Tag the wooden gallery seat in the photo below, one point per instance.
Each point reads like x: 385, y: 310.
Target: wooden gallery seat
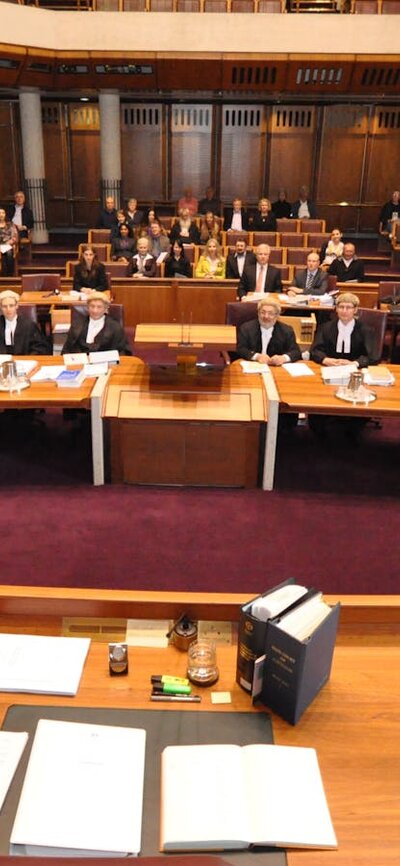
x: 103, y: 251
x: 99, y: 236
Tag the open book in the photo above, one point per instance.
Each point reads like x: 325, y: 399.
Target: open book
x: 82, y: 793
x: 233, y: 797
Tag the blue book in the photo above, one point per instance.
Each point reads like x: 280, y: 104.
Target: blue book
x: 70, y: 379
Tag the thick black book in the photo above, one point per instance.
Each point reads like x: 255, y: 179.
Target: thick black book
x: 296, y: 670
x: 252, y: 637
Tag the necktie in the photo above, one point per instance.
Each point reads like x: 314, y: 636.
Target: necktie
x: 260, y: 279
x: 309, y: 279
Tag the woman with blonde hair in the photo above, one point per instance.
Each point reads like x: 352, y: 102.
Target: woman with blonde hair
x: 265, y: 219
x: 211, y: 264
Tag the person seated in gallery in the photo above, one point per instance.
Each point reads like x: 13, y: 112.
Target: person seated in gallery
x: 303, y: 208
x: 282, y: 207
x: 21, y: 215
x: 96, y: 332
x: 107, y: 218
x: 237, y: 259
x: 210, y: 228
x: 148, y: 219
x: 90, y: 274
x: 211, y: 264
x: 348, y: 268
x: 134, y: 217
x: 390, y: 213
x: 142, y: 264
x: 123, y: 245
x: 345, y: 338
x: 236, y: 217
x: 265, y: 219
x: 8, y: 244
x: 19, y: 335
x: 310, y: 281
x: 189, y: 201
x: 260, y: 276
x: 209, y: 202
x: 267, y: 340
x: 177, y: 264
x: 158, y: 239
x: 332, y: 249
x: 121, y: 220
x: 185, y: 228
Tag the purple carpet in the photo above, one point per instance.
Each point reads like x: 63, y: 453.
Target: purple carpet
x: 332, y: 521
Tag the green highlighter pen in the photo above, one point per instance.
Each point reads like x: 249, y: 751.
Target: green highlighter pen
x: 171, y: 689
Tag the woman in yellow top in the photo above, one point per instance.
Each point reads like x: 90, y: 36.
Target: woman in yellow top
x: 211, y: 264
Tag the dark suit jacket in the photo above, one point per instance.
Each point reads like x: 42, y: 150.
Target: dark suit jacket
x: 264, y: 224
x: 319, y: 283
x: 107, y: 219
x: 232, y: 272
x: 27, y: 218
x: 362, y: 344
x: 228, y: 213
x: 111, y: 337
x: 28, y: 338
x: 136, y: 220
x: 282, y: 342
x: 94, y: 279
x: 311, y: 207
x: 355, y: 270
x: 273, y: 282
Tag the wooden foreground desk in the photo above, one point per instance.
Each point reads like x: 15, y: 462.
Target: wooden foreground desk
x: 168, y: 428
x: 354, y: 723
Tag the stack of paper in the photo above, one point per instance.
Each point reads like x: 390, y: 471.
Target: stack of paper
x: 378, y: 376
x: 339, y: 375
x: 83, y: 792
x: 41, y: 665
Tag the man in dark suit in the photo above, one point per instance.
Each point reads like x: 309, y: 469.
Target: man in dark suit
x: 236, y: 261
x: 21, y: 215
x: 97, y: 332
x: 236, y: 217
x: 312, y: 281
x: 265, y: 339
x: 107, y: 218
x: 348, y: 268
x: 303, y: 208
x: 19, y: 335
x: 259, y: 276
x: 134, y: 217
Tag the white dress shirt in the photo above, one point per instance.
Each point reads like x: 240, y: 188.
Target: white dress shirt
x: 95, y: 326
x: 344, y: 337
x: 236, y: 224
x: 17, y: 218
x: 10, y: 326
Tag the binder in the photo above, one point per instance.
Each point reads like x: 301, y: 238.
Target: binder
x: 295, y: 671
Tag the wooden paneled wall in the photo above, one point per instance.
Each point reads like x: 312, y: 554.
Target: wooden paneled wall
x: 346, y: 154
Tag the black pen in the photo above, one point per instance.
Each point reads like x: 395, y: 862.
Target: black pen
x: 185, y: 699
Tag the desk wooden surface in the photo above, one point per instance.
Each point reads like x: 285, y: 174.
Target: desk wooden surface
x: 354, y: 724
x: 186, y: 335
x: 132, y: 375
x: 310, y: 394
x: 47, y: 394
